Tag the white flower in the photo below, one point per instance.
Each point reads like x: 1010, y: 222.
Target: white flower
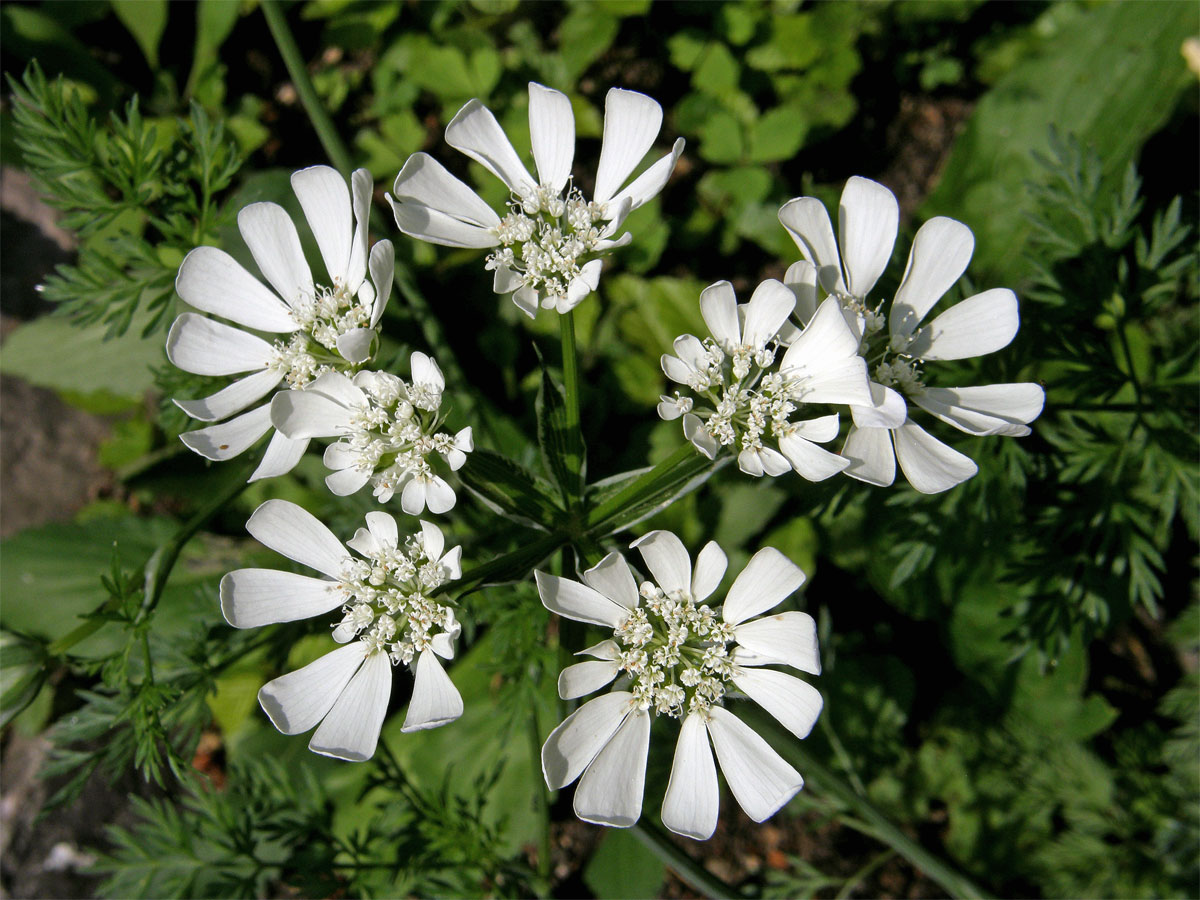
x: 679, y: 657
x: 387, y: 431
x: 388, y: 619
x: 883, y: 432
x: 550, y: 241
x: 322, y: 327
x: 746, y: 391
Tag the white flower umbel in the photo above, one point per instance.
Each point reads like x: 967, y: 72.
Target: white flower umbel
x: 674, y: 655
x: 895, y: 345
x: 549, y: 244
x: 745, y: 388
x: 387, y: 432
x: 321, y: 327
x: 388, y: 618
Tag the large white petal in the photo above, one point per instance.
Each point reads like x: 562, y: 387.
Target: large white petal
x: 667, y: 559
x: 939, y: 256
x: 711, y: 563
x: 361, y: 187
x: 325, y: 199
x: 347, y: 481
x: 701, y: 437
x: 801, y: 279
x: 233, y: 398
x: 208, y: 347
x: 760, y: 779
x: 475, y: 132
x: 795, y: 703
x: 337, y: 386
x: 820, y: 429
x: 979, y: 325
x: 439, y: 496
x: 769, y: 307
x: 435, y: 699
x: 426, y: 182
x: 868, y: 216
x: 296, y: 533
x: 572, y: 746
x: 887, y: 409
x: 766, y: 582
x: 610, y: 791
x: 308, y: 414
x: 871, y: 457
x: 227, y: 440
x: 807, y: 221
x: 631, y: 123
x: 271, y: 236
x: 810, y: 461
x: 578, y: 601
x: 351, y: 729
x: 826, y: 340
x: 253, y: 597
x: 838, y: 381
x: 988, y: 409
x: 928, y: 464
x: 612, y: 578
x: 552, y: 132
x: 281, y: 457
x: 648, y: 185
x: 383, y: 270
x: 585, y: 677
x: 718, y: 306
x: 435, y: 226
x: 693, y: 799
x: 297, y: 701
x: 789, y: 638
x: 213, y: 281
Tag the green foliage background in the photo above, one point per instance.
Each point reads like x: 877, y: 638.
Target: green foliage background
x: 1010, y: 668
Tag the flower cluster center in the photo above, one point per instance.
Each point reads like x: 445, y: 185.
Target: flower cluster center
x: 324, y: 317
x: 387, y: 602
x: 545, y: 238
x: 676, y: 652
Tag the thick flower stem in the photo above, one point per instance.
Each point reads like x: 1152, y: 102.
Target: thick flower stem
x: 688, y: 870
x: 570, y: 368
x: 317, y: 114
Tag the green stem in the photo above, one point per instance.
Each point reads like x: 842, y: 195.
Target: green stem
x: 570, y: 367
x: 823, y: 780
x: 519, y: 562
x: 688, y: 870
x: 685, y: 461
x: 317, y: 114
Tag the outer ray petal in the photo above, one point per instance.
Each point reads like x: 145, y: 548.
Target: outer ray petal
x: 585, y: 677
x: 667, y: 559
x: 871, y: 457
x: 253, y: 597
x: 888, y: 409
x: 810, y: 461
x: 650, y: 183
x: 794, y: 703
x: 426, y: 182
x: 807, y: 221
x: 299, y: 700
x: 294, y: 532
x: 612, y: 578
x: 228, y: 439
x: 281, y: 457
x: 347, y: 481
x: 693, y: 799
x: 768, y: 579
x: 939, y: 256
x: 610, y: 791
x: 475, y: 132
x: 718, y: 306
x: 351, y: 730
x: 760, y: 779
x: 435, y: 699
x: 572, y: 746
x: 867, y: 217
x: 577, y: 601
x: 361, y: 185
x: 976, y: 326
x: 309, y: 414
x: 552, y: 131
x: 233, y: 398
x: 325, y: 199
x: 787, y: 638
x: 428, y: 224
x: 711, y: 564
x: 383, y: 268
x: 768, y: 309
x: 928, y: 464
x: 207, y: 347
x: 988, y: 409
x: 271, y: 236
x: 631, y: 123
x: 213, y: 281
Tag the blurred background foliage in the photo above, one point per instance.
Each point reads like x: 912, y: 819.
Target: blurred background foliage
x: 1010, y: 668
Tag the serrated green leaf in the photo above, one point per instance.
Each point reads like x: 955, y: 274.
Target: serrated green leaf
x: 510, y: 488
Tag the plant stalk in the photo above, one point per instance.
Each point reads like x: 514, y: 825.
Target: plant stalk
x: 688, y: 870
x: 570, y: 368
x: 685, y: 455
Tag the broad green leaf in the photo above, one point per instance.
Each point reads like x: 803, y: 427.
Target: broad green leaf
x: 51, y: 352
x: 722, y: 139
x: 587, y: 31
x: 793, y: 45
x: 778, y: 134
x: 214, y: 22
x: 146, y: 21
x: 717, y: 71
x: 1111, y: 78
x: 686, y: 48
x: 623, y: 866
